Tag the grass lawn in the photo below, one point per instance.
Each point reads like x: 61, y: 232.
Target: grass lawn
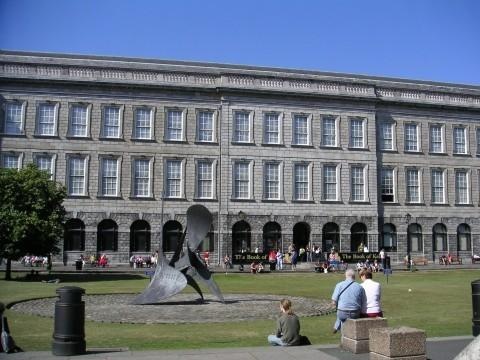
x: 440, y: 303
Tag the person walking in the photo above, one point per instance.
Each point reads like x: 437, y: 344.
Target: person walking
x: 349, y: 298
x: 279, y: 257
x: 288, y: 327
x: 373, y: 293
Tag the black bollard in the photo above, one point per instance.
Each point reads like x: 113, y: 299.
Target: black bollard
x: 476, y: 307
x: 69, y: 328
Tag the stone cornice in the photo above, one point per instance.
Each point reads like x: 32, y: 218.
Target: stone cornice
x: 216, y: 76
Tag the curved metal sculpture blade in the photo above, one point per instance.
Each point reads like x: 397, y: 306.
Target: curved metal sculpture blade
x: 166, y: 282
x: 199, y: 220
x: 201, y: 272
x: 191, y: 281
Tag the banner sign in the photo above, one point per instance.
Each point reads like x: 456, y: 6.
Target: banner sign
x: 247, y: 258
x: 354, y: 257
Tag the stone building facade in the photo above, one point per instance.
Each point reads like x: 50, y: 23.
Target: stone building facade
x: 278, y: 156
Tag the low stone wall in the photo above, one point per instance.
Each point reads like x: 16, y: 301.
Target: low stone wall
x: 397, y: 343
x: 355, y: 333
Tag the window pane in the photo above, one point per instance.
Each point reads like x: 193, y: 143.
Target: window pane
x: 272, y: 181
x: 329, y: 131
x: 111, y: 122
x: 174, y: 179
x: 330, y: 182
x: 205, y: 126
x: 46, y: 120
x: 142, y: 124
x: 78, y: 121
x: 411, y: 139
x: 459, y: 140
x: 76, y: 184
x: 413, y: 186
x: 357, y: 182
x: 44, y: 163
x: 141, y: 178
x: 356, y: 133
x: 242, y: 127
x: 13, y: 119
x: 272, y: 129
x: 301, y: 182
x: 387, y: 136
x: 109, y: 177
x: 174, y: 125
x: 241, y: 180
x: 204, y: 179
x: 437, y: 186
x: 461, y: 187
x: 10, y: 161
x: 300, y: 126
x: 387, y: 185
x: 436, y: 139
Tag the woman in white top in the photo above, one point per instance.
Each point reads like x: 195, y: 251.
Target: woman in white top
x: 373, y: 292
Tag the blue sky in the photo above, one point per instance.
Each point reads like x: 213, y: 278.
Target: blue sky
x: 436, y: 40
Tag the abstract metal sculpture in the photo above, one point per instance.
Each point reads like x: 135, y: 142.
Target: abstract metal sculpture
x: 172, y: 276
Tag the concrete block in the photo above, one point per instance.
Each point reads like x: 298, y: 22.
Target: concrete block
x: 357, y: 329
x: 397, y: 342
x: 375, y: 356
x: 354, y: 346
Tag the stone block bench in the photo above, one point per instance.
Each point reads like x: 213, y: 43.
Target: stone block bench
x: 397, y: 343
x: 355, y: 333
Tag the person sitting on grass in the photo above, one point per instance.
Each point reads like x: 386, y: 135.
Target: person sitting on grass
x: 288, y: 327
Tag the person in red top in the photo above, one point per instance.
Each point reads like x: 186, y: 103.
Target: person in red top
x: 206, y: 257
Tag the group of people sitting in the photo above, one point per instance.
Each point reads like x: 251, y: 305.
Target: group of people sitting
x: 30, y: 260
x: 256, y: 267
x: 138, y: 261
x: 367, y: 264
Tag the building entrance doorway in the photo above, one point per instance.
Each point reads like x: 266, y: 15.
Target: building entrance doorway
x: 301, y: 238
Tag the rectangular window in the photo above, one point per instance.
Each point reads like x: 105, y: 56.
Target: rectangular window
x: 271, y: 124
x: 387, y: 136
x: 272, y: 181
x: 358, y: 183
x: 300, y: 130
x: 330, y: 183
x: 174, y: 179
x: 356, y: 133
x: 141, y: 177
x: 436, y: 139
x: 242, y: 127
x: 46, y: 120
x: 76, y: 176
x: 411, y: 137
x: 387, y: 183
x: 11, y: 161
x: 204, y: 180
x: 302, y: 183
x: 205, y: 126
x: 241, y: 180
x: 329, y: 131
x: 13, y: 119
x: 438, y: 187
x: 461, y: 187
x: 78, y: 121
x: 413, y: 186
x: 111, y: 122
x: 143, y: 124
x: 45, y: 163
x: 109, y: 176
x: 459, y: 140
x: 174, y: 131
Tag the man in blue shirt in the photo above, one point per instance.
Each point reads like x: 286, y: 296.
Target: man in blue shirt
x: 349, y: 298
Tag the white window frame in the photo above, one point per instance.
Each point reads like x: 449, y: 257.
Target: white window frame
x: 5, y: 106
x: 280, y: 127
x: 249, y: 164
x: 18, y: 155
x: 336, y: 121
x: 408, y: 199
x: 308, y: 117
x: 465, y: 140
x: 213, y: 164
x: 417, y: 137
x: 363, y: 121
x: 182, y: 178
x: 53, y: 158
x: 151, y: 127
x: 365, y: 179
x: 394, y: 183
x: 214, y: 125
x: 467, y: 189
x: 337, y: 182
x: 477, y: 138
x: 55, y: 106
x: 442, y: 138
x: 120, y: 108
x: 88, y: 110
x: 133, y: 193
x: 444, y: 185
x: 166, y: 134
x: 250, y: 115
x: 101, y: 174
x: 308, y: 165
x: 266, y: 163
x: 68, y: 176
x: 383, y: 126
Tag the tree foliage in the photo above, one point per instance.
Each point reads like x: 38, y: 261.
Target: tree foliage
x: 31, y: 213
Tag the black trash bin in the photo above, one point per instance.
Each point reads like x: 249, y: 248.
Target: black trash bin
x: 78, y: 264
x: 476, y: 307
x: 69, y: 322
x: 273, y: 266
